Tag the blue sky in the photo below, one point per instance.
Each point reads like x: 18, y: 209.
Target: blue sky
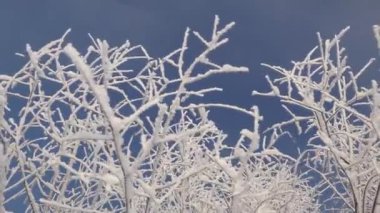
x: 269, y: 31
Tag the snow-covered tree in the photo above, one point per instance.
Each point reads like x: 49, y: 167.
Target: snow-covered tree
x: 116, y: 130
x: 339, y: 121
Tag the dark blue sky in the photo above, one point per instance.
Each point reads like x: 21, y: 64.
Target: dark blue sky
x: 270, y: 31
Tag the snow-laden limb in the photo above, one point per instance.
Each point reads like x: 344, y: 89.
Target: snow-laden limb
x: 376, y: 31
x: 3, y: 150
x: 115, y: 130
x: 3, y: 172
x: 322, y: 95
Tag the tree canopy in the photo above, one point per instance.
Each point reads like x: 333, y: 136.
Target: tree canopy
x: 117, y: 130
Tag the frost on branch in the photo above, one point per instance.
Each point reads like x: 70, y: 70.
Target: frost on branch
x: 322, y: 95
x: 376, y: 31
x: 115, y: 130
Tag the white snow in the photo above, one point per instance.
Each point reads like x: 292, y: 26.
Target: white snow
x: 376, y: 30
x: 110, y: 179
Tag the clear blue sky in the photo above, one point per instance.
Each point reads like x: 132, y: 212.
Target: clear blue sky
x: 270, y: 31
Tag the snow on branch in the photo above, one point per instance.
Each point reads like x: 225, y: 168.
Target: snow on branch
x: 115, y: 130
x: 321, y: 93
